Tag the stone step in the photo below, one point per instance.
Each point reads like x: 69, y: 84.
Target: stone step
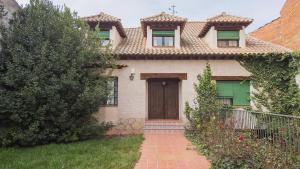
x: 169, y: 125
x: 163, y: 131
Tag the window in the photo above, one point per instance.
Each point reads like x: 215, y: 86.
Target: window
x: 104, y: 36
x: 112, y: 91
x: 228, y: 38
x: 163, y: 38
x: 236, y: 93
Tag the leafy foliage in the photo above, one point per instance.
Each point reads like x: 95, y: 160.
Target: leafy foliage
x: 273, y: 78
x: 50, y: 78
x: 206, y: 105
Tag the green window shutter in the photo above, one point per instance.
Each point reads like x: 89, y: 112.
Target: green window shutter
x: 228, y: 35
x: 104, y: 34
x: 163, y: 33
x: 239, y: 91
x: 224, y: 89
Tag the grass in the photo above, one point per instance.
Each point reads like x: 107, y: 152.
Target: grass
x: 114, y: 153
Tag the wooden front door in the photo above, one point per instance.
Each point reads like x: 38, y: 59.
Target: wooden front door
x: 163, y: 99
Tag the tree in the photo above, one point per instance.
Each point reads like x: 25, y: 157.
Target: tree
x: 273, y: 76
x: 50, y: 76
x: 206, y: 105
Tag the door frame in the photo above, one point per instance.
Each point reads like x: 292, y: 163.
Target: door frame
x: 179, y: 83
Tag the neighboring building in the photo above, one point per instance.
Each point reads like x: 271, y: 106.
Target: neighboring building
x: 10, y: 6
x: 284, y: 30
x: 161, y: 60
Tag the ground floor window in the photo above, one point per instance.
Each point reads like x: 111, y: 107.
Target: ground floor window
x: 236, y: 93
x: 112, y: 91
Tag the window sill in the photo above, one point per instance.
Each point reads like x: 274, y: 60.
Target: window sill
x: 162, y: 47
x: 112, y: 105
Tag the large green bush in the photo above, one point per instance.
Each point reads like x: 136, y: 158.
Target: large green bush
x: 273, y: 76
x: 48, y: 89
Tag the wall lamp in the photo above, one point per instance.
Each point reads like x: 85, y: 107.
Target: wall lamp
x: 132, y: 74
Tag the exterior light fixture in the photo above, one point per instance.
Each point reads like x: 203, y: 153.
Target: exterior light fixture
x: 132, y: 74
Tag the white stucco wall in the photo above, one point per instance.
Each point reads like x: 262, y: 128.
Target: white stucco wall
x: 132, y: 101
x: 298, y: 80
x: 177, y: 38
x: 211, y: 38
x: 115, y: 37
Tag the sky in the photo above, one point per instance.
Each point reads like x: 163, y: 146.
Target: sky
x: 130, y: 11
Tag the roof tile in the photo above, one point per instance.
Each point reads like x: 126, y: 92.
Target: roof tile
x: 191, y: 44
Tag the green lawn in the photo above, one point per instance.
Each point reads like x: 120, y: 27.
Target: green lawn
x: 115, y: 153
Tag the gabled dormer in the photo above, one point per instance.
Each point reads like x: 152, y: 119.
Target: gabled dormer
x: 225, y: 31
x: 163, y: 30
x: 111, y: 29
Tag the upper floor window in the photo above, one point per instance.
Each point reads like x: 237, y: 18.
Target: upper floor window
x: 104, y: 36
x: 228, y: 38
x: 163, y: 38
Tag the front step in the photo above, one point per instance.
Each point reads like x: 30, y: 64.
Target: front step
x: 165, y: 126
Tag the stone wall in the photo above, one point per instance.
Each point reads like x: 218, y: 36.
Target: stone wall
x: 128, y: 126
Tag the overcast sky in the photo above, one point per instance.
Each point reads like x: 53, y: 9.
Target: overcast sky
x: 130, y: 11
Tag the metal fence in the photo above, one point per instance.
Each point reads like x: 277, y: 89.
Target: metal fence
x: 279, y: 131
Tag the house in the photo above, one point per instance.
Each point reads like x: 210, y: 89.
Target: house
x: 160, y: 61
x: 10, y: 6
x: 284, y: 30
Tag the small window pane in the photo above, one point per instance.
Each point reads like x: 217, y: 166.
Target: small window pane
x: 112, y: 92
x: 169, y: 41
x: 105, y: 42
x: 233, y: 43
x: 157, y: 41
x: 225, y: 101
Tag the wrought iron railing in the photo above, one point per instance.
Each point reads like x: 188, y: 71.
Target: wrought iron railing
x: 278, y: 131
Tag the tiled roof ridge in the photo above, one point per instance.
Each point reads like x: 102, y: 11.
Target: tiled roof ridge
x: 104, y: 15
x: 225, y: 15
x: 167, y: 17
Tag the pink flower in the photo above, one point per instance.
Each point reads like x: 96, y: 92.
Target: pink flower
x: 242, y: 137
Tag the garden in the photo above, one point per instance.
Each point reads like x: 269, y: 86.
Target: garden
x: 241, y: 138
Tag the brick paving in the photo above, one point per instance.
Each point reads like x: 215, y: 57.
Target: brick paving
x: 169, y: 151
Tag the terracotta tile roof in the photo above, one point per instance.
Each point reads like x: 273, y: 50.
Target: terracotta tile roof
x: 226, y: 18
x: 105, y: 18
x: 102, y: 17
x: 191, y: 45
x: 164, y: 17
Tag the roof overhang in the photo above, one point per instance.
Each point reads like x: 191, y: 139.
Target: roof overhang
x: 165, y: 25
x: 108, y: 25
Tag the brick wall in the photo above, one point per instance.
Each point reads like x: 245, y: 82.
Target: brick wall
x: 285, y: 30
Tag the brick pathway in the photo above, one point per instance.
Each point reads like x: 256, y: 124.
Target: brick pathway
x: 169, y: 151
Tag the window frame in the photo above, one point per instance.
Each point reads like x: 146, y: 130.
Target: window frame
x: 163, y: 39
x: 105, y: 41
x: 115, y: 95
x: 231, y: 94
x: 227, y: 40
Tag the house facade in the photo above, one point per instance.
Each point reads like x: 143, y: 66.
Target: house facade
x: 160, y: 61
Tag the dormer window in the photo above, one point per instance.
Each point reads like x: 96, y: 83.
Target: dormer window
x: 104, y: 37
x: 228, y: 38
x: 163, y: 38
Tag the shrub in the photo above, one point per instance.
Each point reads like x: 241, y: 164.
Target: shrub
x: 206, y: 106
x: 50, y: 78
